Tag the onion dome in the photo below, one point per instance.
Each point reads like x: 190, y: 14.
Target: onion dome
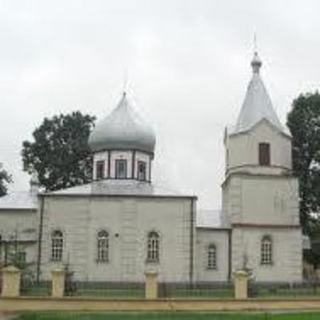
x: 123, y: 129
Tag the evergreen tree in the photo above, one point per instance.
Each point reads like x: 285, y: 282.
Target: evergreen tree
x: 60, y: 153
x: 304, y: 124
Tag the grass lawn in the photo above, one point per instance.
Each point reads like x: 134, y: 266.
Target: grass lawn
x: 165, y: 316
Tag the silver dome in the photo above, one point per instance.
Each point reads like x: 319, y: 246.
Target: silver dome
x: 123, y: 129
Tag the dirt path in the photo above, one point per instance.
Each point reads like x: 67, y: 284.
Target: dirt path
x: 8, y: 316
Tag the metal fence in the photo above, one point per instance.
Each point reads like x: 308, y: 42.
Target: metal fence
x: 283, y: 289
x: 197, y: 290
x: 35, y: 289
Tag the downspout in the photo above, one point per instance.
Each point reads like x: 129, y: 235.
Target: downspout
x: 191, y: 267
x: 40, y: 239
x: 229, y: 254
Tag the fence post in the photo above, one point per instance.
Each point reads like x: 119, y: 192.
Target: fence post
x: 58, y: 283
x: 151, y: 285
x: 11, y: 277
x: 241, y: 284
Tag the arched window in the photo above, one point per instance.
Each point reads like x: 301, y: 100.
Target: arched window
x: 56, y: 245
x: 153, y: 247
x: 266, y: 250
x: 212, y: 257
x: 103, y: 246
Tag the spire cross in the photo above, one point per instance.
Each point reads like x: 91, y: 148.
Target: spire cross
x: 255, y: 46
x: 125, y: 81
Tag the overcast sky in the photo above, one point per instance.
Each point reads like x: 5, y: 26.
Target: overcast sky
x: 188, y: 68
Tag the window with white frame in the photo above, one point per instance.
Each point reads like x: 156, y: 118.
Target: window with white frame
x: 266, y: 250
x: 212, y: 257
x: 121, y: 169
x: 56, y: 245
x: 103, y: 246
x: 153, y: 247
x: 142, y: 168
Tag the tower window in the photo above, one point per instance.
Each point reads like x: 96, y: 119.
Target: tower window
x: 142, y: 170
x: 121, y: 169
x: 100, y: 169
x: 264, y: 154
x: 56, y: 245
x: 153, y: 247
x: 103, y: 246
x: 266, y: 250
x: 212, y: 257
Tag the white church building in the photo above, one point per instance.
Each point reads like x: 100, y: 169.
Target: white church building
x: 121, y: 225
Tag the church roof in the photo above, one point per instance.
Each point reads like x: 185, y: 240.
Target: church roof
x: 123, y: 129
x: 117, y: 187
x: 211, y: 219
x: 257, y: 104
x: 19, y: 200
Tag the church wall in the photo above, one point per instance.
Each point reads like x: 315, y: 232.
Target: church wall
x: 286, y: 253
x: 20, y: 225
x: 261, y: 199
x: 128, y: 221
x: 269, y: 199
x: 220, y: 238
x: 242, y: 149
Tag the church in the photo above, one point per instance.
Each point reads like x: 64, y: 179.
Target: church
x: 121, y: 224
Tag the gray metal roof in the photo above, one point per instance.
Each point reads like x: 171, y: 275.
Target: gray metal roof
x: 114, y: 187
x: 257, y: 104
x: 19, y: 200
x: 211, y: 219
x: 123, y: 129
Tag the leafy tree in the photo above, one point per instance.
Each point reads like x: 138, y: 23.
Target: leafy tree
x: 304, y: 123
x: 5, y: 178
x: 60, y: 153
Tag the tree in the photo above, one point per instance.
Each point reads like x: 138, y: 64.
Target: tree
x: 5, y: 178
x: 304, y: 123
x: 60, y: 154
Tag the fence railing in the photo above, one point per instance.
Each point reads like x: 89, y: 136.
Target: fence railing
x: 283, y: 289
x: 15, y: 283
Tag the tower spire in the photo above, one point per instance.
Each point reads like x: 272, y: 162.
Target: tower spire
x: 256, y: 62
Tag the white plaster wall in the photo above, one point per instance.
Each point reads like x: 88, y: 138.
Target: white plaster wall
x: 21, y: 225
x: 287, y: 253
x: 220, y: 239
x: 128, y: 221
x: 261, y: 199
x: 243, y: 149
x: 270, y: 200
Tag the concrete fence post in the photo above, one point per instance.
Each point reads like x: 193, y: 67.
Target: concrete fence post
x: 241, y: 278
x: 58, y: 283
x: 11, y: 277
x: 151, y: 285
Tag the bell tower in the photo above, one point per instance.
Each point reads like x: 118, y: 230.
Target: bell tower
x: 260, y: 194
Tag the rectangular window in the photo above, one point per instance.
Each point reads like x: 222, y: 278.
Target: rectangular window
x: 121, y: 169
x: 264, y: 154
x: 100, y: 170
x: 142, y: 171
